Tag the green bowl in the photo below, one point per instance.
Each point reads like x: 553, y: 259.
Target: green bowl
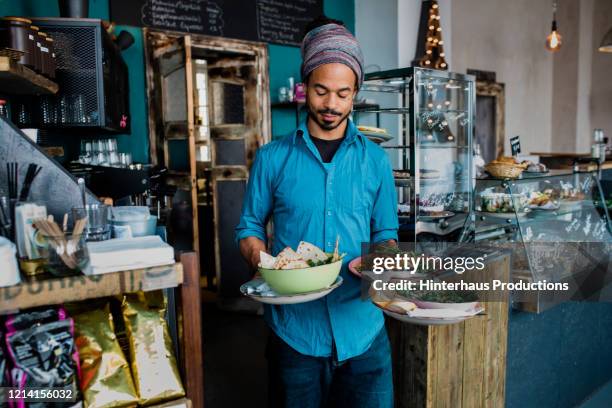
x: 302, y: 280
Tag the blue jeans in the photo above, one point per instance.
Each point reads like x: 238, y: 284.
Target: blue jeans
x: 297, y: 380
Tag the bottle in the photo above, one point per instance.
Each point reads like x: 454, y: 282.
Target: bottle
x: 602, y: 150
x: 3, y: 109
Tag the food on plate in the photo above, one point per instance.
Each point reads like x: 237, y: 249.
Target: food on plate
x: 434, y: 213
x: 401, y: 174
x: 306, y: 256
x: 445, y: 296
x: 541, y: 201
x: 431, y: 203
x: 570, y: 193
x: 396, y: 305
x: 502, y: 202
x: 403, y: 209
x: 536, y: 167
x: 372, y: 129
x: 429, y: 174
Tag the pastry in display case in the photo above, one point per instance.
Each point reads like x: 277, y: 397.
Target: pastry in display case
x: 426, y: 118
x: 556, y: 228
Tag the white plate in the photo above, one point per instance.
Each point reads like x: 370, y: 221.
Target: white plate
x: 378, y: 137
x: 537, y: 208
x: 427, y: 321
x: 425, y: 217
x: 403, y: 182
x: 569, y: 205
x: 289, y: 299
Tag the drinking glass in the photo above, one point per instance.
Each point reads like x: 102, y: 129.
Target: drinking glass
x: 97, y: 228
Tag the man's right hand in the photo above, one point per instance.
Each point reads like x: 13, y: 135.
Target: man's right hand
x: 249, y: 248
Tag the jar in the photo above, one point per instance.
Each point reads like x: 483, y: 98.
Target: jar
x: 52, y: 58
x: 15, y: 33
x: 45, y: 59
x: 36, y: 51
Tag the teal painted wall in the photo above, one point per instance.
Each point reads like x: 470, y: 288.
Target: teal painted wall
x: 284, y: 62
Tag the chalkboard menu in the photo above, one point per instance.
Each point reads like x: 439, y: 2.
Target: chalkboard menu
x: 274, y: 21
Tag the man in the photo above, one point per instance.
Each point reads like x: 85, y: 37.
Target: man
x: 322, y: 181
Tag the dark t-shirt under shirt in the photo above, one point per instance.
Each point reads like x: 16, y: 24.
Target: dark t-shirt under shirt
x: 327, y: 148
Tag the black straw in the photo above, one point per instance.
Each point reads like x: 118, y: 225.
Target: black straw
x: 12, y: 170
x: 33, y: 170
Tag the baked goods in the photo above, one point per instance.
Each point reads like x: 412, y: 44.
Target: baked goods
x: 401, y: 174
x: 536, y: 167
x: 502, y: 202
x: 306, y: 256
x: 371, y: 129
x: 542, y: 201
x: 429, y: 174
x: 505, y: 167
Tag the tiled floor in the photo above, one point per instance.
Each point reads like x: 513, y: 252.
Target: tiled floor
x: 601, y: 399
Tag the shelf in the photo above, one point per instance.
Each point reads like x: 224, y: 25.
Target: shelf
x: 426, y: 109
x: 534, y: 215
x: 386, y: 87
x: 83, y: 287
x: 298, y: 105
x: 401, y: 111
x: 425, y: 146
x: 551, y: 173
x: 408, y: 182
x: 15, y: 79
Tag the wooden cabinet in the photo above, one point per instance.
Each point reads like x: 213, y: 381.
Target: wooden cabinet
x: 456, y: 366
x: 209, y: 111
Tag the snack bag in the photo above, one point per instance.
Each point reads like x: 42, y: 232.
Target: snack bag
x: 44, y: 356
x: 152, y: 358
x: 106, y: 381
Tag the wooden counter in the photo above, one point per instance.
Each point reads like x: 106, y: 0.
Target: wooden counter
x: 83, y: 287
x: 461, y: 365
x: 566, y: 160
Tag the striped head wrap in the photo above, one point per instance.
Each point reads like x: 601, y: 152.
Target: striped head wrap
x: 331, y: 43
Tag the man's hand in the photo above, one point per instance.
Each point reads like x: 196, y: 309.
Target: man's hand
x: 249, y: 248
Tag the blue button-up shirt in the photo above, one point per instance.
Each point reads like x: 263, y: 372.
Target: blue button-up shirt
x: 353, y: 197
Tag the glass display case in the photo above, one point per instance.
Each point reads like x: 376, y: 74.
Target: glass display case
x: 558, y: 227
x: 424, y: 119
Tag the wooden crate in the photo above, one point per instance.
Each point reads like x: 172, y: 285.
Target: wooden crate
x: 454, y: 366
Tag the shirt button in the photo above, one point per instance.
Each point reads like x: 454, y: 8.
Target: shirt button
x: 329, y: 243
x: 329, y: 213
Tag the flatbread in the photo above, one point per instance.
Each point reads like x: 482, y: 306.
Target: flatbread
x: 311, y: 252
x: 266, y: 260
x: 289, y: 259
x: 401, y: 306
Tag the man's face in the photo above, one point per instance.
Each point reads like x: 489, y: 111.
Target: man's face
x: 329, y: 94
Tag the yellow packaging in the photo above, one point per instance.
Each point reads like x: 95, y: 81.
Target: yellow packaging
x: 106, y: 380
x: 152, y: 359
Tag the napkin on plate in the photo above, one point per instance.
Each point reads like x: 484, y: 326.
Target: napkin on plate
x: 259, y: 287
x: 444, y: 313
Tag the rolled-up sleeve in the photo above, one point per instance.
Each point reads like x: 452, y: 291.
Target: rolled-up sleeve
x: 384, y: 223
x: 257, y: 202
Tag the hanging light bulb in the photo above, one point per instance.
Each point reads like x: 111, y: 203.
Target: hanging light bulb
x: 553, y: 40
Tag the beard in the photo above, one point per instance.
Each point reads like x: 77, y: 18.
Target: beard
x: 323, y: 124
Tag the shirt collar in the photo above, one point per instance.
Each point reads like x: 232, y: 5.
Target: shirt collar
x: 352, y: 133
